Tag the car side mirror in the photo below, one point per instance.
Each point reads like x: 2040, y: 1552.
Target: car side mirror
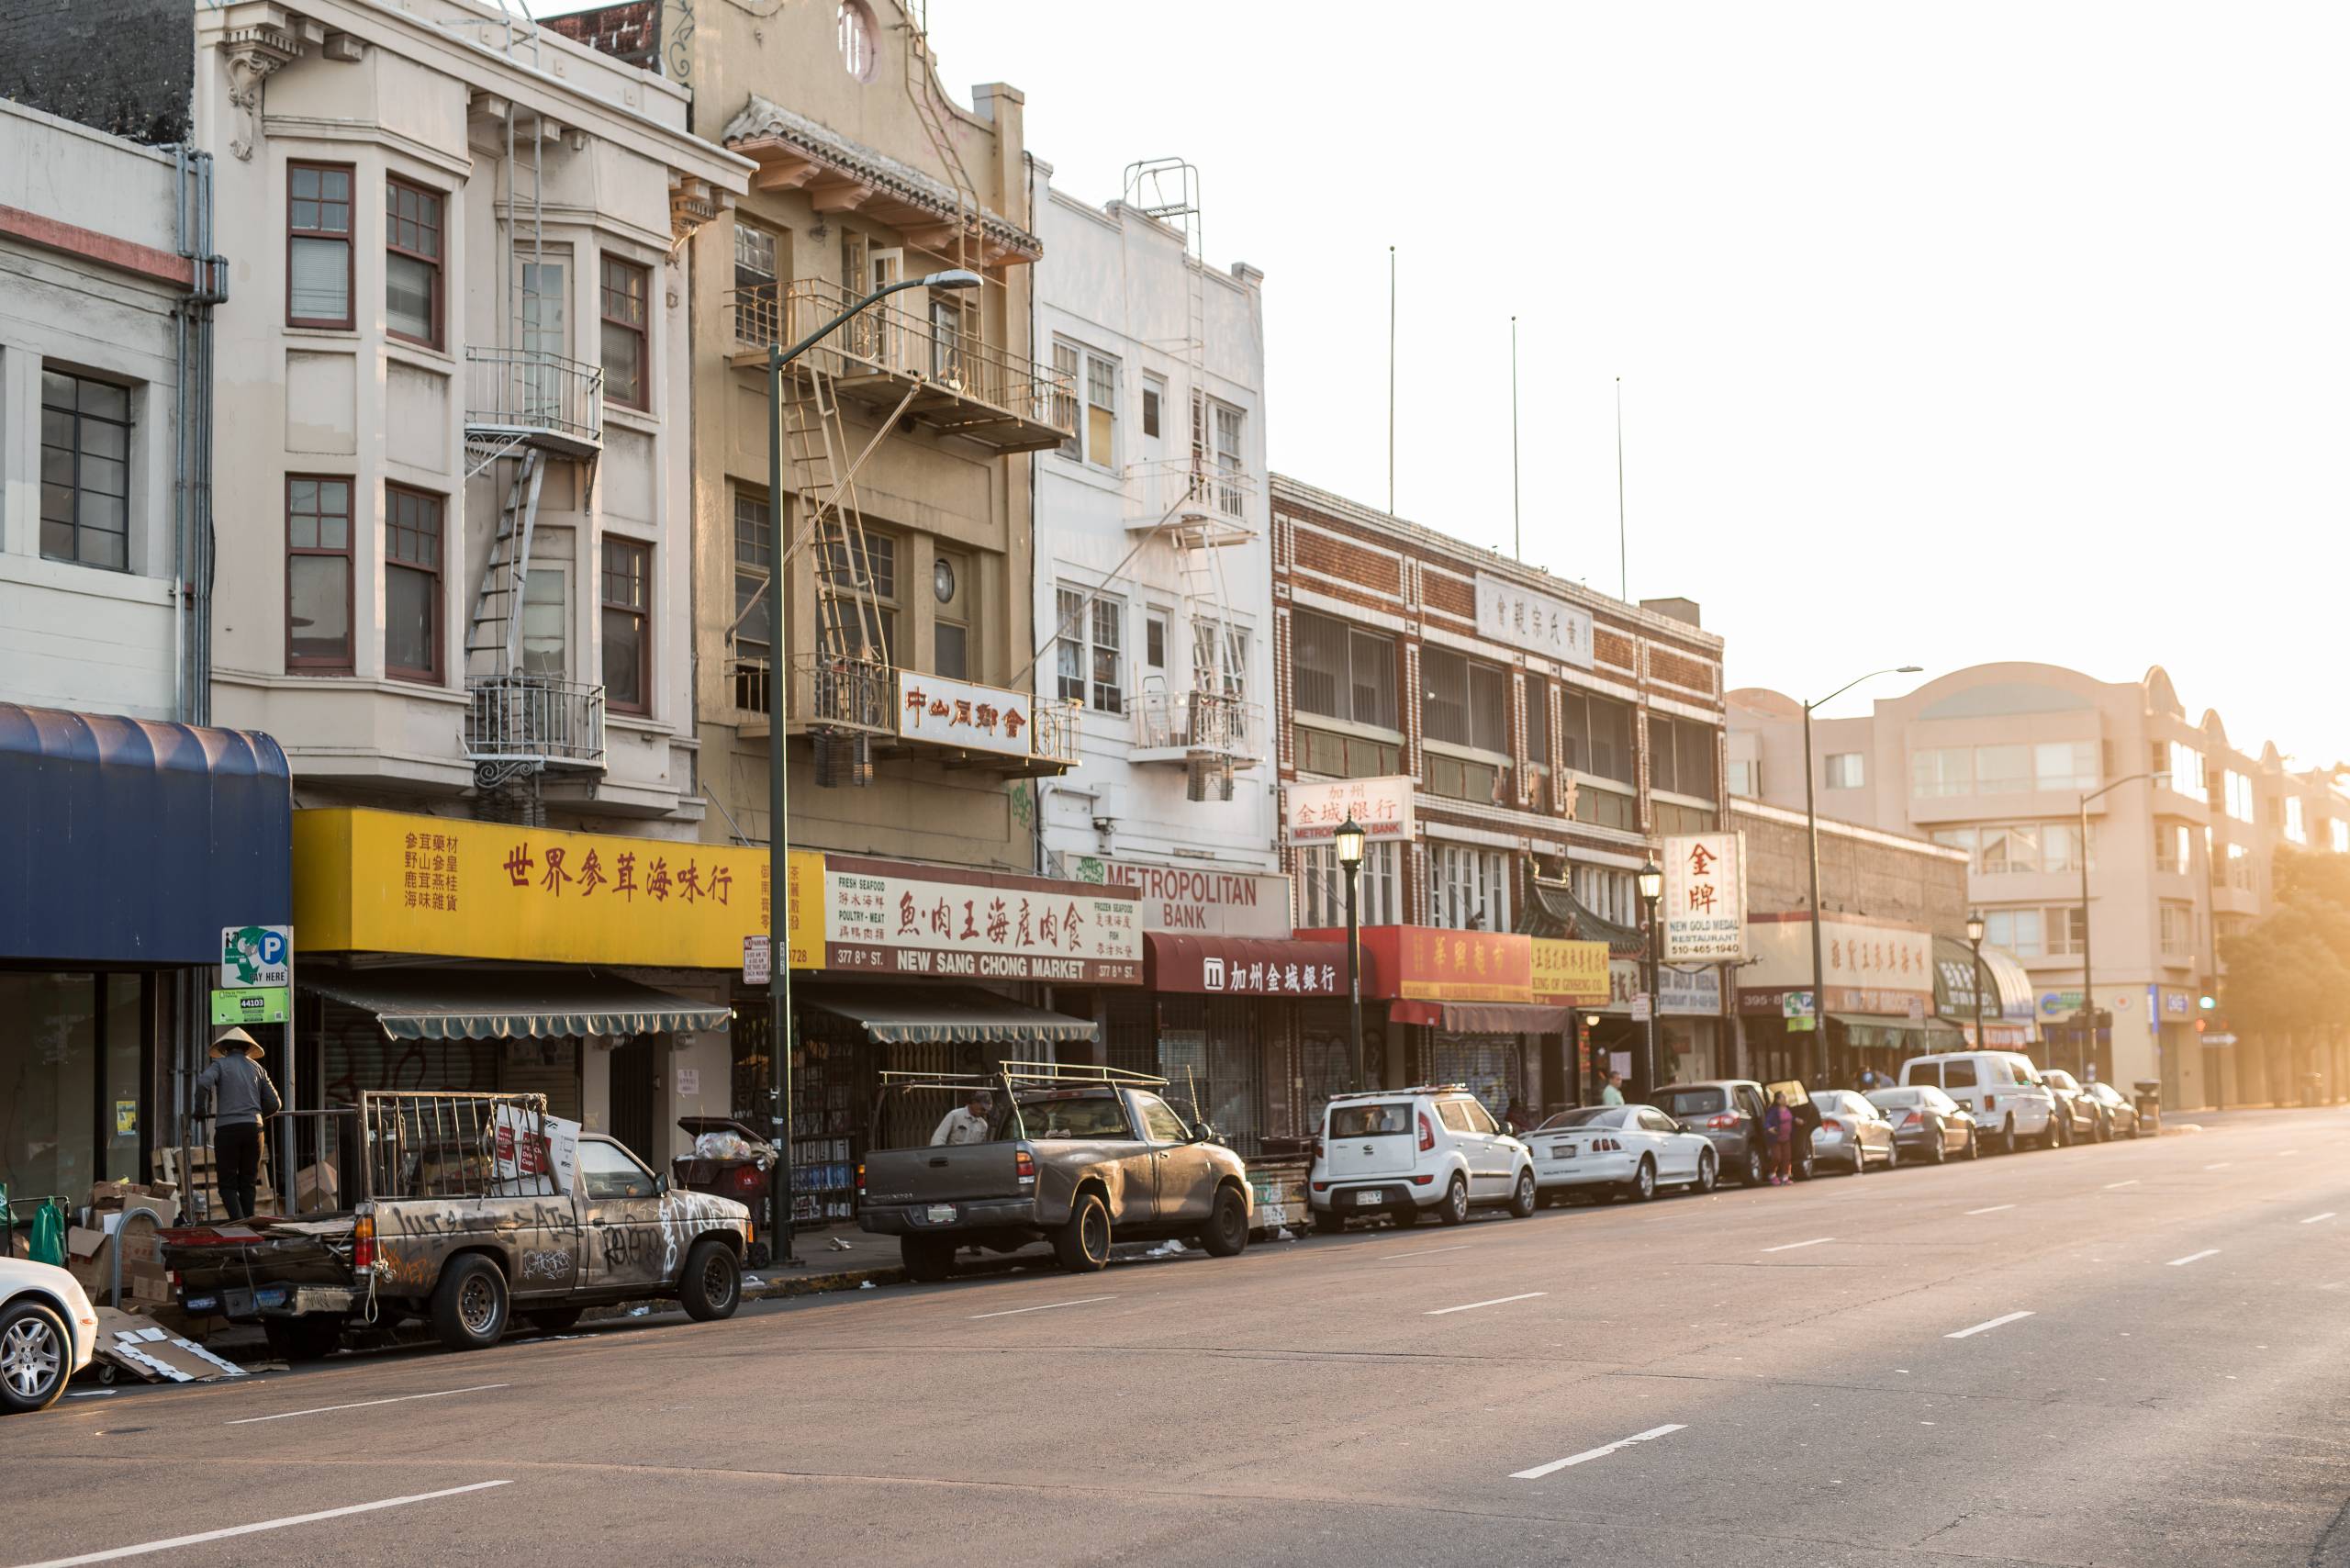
x: 661, y: 1184
x: 1202, y: 1133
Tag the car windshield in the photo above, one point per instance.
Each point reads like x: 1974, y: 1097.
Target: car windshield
x: 1062, y: 1115
x: 2061, y: 1081
x: 1586, y: 1116
x: 1684, y: 1104
x: 1369, y: 1121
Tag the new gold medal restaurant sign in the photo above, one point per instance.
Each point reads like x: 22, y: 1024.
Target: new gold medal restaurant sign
x: 393, y: 882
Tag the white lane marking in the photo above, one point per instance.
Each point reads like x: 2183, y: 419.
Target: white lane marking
x: 1497, y: 1301
x: 2110, y: 1186
x: 2191, y: 1256
x: 1981, y: 1328
x: 1791, y: 1246
x: 1016, y: 1311
x: 2314, y: 1218
x: 364, y: 1404
x: 1539, y: 1471
x: 1431, y: 1252
x: 291, y: 1519
x: 1994, y: 1208
x: 2221, y: 1166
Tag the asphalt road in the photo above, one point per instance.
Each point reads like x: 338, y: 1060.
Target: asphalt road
x: 2124, y: 1354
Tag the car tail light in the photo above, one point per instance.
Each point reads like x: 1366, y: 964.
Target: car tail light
x: 1912, y: 1120
x: 1990, y: 1102
x: 1831, y: 1125
x: 1315, y: 1149
x: 1427, y: 1134
x: 1321, y: 1186
x: 1023, y: 1165
x: 1727, y: 1119
x: 860, y: 1179
x: 1422, y: 1181
x: 363, y: 1243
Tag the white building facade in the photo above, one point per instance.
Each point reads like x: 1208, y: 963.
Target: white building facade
x: 1153, y: 575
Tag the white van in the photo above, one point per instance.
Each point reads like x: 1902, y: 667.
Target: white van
x: 2002, y: 1088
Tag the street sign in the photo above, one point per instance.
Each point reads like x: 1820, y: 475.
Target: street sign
x: 249, y: 1006
x: 1639, y: 1007
x: 2219, y: 1039
x: 1796, y: 1010
x: 758, y: 968
x: 254, y: 957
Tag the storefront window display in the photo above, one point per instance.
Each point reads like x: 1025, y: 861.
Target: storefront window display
x: 1490, y: 1065
x: 72, y: 1105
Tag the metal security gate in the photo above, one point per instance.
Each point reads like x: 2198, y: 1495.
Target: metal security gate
x: 633, y: 1096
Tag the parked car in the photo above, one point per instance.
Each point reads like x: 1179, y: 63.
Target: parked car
x: 2001, y: 1089
x: 49, y: 1331
x: 1729, y: 1111
x: 1854, y: 1134
x: 2115, y: 1110
x: 1928, y: 1125
x: 1081, y: 1157
x: 2076, y: 1118
x: 1798, y: 1100
x: 1405, y: 1152
x: 1619, y: 1150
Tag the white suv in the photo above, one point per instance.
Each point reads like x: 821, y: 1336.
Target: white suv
x: 2002, y: 1088
x: 1396, y: 1153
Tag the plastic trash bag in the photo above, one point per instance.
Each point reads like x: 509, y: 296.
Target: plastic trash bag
x: 48, y: 1235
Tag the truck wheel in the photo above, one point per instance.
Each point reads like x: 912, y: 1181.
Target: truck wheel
x: 927, y: 1259
x: 711, y: 1286
x: 302, y: 1338
x: 1227, y: 1230
x: 36, y: 1356
x: 553, y: 1319
x: 470, y: 1303
x: 1083, y: 1244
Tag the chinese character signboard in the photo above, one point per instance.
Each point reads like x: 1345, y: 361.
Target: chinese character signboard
x: 393, y: 882
x: 1687, y: 994
x: 1218, y: 966
x: 1867, y: 968
x: 1570, y: 974
x: 955, y: 713
x: 1380, y: 807
x: 1183, y: 898
x: 1704, y: 899
x: 1526, y: 618
x: 880, y: 918
x: 1434, y: 965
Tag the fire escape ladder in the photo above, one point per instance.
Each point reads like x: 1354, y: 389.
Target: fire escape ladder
x: 493, y: 642
x: 935, y: 114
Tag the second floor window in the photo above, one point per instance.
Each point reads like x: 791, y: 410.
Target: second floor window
x: 1467, y: 702
x: 1471, y: 887
x: 318, y: 573
x: 317, y: 245
x: 1341, y: 671
x: 1091, y: 666
x: 753, y: 603
x: 1229, y: 464
x: 412, y: 536
x: 412, y: 252
x: 85, y: 470
x: 1537, y: 721
x: 1597, y: 733
x: 1846, y: 770
x: 624, y: 294
x: 628, y: 618
x: 1680, y: 757
x: 1092, y: 405
x: 1322, y: 887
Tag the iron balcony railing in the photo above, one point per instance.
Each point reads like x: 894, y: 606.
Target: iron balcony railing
x: 527, y: 392
x: 534, y: 718
x: 830, y: 693
x: 1198, y: 722
x: 889, y: 340
x: 1166, y: 489
x: 1056, y: 731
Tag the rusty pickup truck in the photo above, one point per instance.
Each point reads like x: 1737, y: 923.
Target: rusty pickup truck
x: 472, y: 1210
x: 1076, y: 1156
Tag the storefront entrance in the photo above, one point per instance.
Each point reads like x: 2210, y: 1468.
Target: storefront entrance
x: 72, y: 1089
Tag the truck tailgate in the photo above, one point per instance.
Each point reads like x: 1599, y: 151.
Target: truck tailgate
x: 949, y: 1173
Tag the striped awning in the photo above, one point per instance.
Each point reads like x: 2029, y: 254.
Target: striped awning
x: 515, y: 1005
x: 895, y: 1018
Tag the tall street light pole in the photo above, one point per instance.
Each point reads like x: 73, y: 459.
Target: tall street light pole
x: 1349, y: 843
x: 1974, y: 940
x: 1811, y: 832
x: 2088, y: 996
x: 778, y: 801
x: 1650, y: 878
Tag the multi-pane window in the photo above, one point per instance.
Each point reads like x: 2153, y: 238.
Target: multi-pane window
x: 1537, y: 721
x: 2011, y: 847
x: 1846, y: 770
x: 2178, y: 929
x: 1068, y: 366
x: 546, y: 619
x: 2239, y: 868
x: 1336, y: 756
x: 2064, y: 765
x: 1471, y: 887
x: 1608, y: 894
x: 1220, y: 657
x: 1154, y: 640
x: 754, y: 600
x: 1462, y: 779
x: 412, y: 554
x: 2019, y: 931
x: 2174, y: 849
x: 2066, y: 926
x: 1680, y: 757
x: 624, y: 294
x: 758, y: 305
x: 1596, y: 735
x: 318, y: 573
x: 1673, y: 817
x: 317, y: 245
x: 2185, y: 766
x: 2236, y: 790
x: 412, y: 254
x: 1228, y: 462
x: 2295, y: 822
x: 1089, y: 663
x: 1467, y: 704
x: 1091, y: 408
x: 1342, y: 672
x: 860, y: 578
x: 1942, y: 770
x: 1746, y: 777
x: 1322, y: 887
x: 628, y: 611
x: 2062, y: 847
x: 85, y: 470
x: 2002, y: 769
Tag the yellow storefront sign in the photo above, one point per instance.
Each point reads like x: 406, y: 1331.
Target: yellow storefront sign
x: 392, y: 882
x: 1570, y: 974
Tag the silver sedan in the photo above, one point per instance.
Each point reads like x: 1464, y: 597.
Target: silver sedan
x: 1854, y: 1134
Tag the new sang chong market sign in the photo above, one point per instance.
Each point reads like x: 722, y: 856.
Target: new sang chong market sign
x: 882, y: 918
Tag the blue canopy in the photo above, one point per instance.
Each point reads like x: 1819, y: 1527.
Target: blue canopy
x: 126, y: 841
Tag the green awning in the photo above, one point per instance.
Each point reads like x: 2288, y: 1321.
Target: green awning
x: 895, y: 1018
x: 514, y: 1004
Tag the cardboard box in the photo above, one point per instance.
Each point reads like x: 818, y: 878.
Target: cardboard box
x: 317, y: 1190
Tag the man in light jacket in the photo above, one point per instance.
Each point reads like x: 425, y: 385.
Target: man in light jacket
x: 241, y: 1095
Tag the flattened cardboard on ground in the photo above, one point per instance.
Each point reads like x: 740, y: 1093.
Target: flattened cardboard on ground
x: 156, y: 1354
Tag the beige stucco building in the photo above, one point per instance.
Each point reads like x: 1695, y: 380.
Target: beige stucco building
x: 1994, y: 760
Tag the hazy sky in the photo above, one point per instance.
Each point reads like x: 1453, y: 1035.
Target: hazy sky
x: 1947, y: 333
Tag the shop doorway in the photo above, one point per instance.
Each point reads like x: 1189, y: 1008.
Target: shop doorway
x: 633, y: 1092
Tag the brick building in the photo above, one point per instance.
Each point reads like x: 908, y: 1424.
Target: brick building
x: 1552, y: 736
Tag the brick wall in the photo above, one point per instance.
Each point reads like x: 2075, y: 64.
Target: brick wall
x: 127, y: 67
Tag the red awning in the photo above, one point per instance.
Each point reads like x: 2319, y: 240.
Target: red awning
x: 1483, y: 1018
x: 1243, y: 966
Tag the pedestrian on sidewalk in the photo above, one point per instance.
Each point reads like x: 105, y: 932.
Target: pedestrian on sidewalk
x: 241, y: 1095
x: 967, y: 1122
x: 1614, y: 1093
x: 1779, y: 1123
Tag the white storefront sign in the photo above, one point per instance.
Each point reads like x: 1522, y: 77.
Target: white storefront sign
x: 1197, y: 898
x: 1380, y: 807
x: 1866, y: 968
x: 1704, y: 899
x: 956, y: 713
x: 978, y: 926
x: 1687, y: 994
x: 1525, y: 619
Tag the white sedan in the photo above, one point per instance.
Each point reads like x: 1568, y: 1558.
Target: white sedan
x: 1631, y: 1150
x: 48, y: 1332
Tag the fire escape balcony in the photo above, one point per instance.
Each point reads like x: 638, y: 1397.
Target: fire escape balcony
x: 961, y: 386
x: 518, y: 397
x: 519, y: 722
x: 1179, y: 726
x: 1198, y: 504
x: 878, y: 708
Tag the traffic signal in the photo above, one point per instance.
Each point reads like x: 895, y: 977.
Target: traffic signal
x: 2207, y: 1002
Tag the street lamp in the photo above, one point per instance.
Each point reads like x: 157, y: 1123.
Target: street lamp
x: 1811, y: 831
x: 2088, y: 995
x: 1974, y: 940
x: 1650, y: 878
x: 1348, y: 841
x: 778, y: 805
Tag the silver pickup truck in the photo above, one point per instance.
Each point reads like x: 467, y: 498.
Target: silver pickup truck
x: 1079, y: 1156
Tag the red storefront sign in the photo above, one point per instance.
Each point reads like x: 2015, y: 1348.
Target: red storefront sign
x: 1240, y: 966
x: 1424, y: 963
